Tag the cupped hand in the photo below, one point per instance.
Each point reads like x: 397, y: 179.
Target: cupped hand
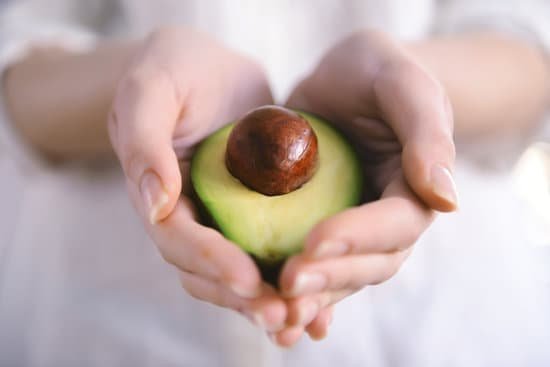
x: 180, y: 87
x: 400, y: 121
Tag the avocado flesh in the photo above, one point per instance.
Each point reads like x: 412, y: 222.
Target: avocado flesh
x: 272, y: 228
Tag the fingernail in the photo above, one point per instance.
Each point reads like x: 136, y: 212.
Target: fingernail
x: 244, y: 292
x: 255, y: 318
x: 330, y: 249
x: 309, y: 283
x: 330, y: 318
x: 153, y: 195
x: 443, y: 184
x: 258, y: 320
x: 324, y: 333
x: 320, y: 337
x: 307, y: 313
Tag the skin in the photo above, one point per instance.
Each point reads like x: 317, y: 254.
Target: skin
x: 397, y: 101
x: 392, y: 101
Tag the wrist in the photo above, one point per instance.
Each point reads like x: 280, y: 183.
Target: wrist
x: 83, y: 83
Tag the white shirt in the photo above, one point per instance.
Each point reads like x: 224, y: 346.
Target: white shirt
x: 81, y: 284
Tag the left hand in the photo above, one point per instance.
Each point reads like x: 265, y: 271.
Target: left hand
x: 400, y: 120
x: 175, y: 92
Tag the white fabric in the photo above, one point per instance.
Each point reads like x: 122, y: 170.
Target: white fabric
x: 81, y: 285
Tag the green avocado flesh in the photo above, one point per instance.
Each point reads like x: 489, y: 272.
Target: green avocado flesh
x: 272, y: 228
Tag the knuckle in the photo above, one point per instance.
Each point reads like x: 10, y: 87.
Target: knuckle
x: 182, y: 263
x: 167, y: 257
x: 410, y: 238
x: 326, y: 299
x: 416, y: 223
x: 131, y: 161
x: 393, y: 73
x: 398, y: 75
x: 192, y: 291
x: 391, y: 266
x: 388, y: 79
x: 142, y: 79
x: 330, y: 228
x: 344, y: 280
x: 133, y: 82
x: 216, y: 297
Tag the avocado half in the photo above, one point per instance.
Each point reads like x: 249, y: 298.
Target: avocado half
x: 271, y: 228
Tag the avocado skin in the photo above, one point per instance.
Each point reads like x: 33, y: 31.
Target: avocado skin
x: 270, y: 270
x: 270, y: 266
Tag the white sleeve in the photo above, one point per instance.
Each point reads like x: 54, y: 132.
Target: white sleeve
x: 528, y: 19
x: 24, y: 25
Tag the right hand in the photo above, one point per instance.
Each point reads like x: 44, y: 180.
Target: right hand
x: 399, y: 118
x: 180, y: 87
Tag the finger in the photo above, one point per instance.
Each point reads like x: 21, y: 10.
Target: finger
x: 287, y: 337
x: 194, y: 248
x: 318, y: 328
x: 392, y: 223
x: 298, y: 98
x: 210, y: 291
x: 267, y: 312
x: 141, y: 126
x: 418, y: 110
x: 341, y: 273
x: 305, y: 309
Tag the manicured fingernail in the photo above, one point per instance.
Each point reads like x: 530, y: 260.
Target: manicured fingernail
x: 244, y: 292
x: 330, y: 249
x: 307, y: 313
x: 153, y: 194
x: 309, y: 283
x: 443, y: 184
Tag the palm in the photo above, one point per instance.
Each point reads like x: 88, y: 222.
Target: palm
x: 376, y: 143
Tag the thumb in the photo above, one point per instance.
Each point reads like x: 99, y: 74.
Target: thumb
x: 427, y: 165
x: 428, y: 158
x: 141, y: 127
x: 420, y: 113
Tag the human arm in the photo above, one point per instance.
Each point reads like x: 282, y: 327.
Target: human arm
x: 496, y: 83
x: 59, y: 99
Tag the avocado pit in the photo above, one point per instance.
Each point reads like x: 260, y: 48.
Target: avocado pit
x: 272, y: 150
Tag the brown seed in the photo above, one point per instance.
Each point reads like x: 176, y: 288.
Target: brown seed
x: 272, y: 150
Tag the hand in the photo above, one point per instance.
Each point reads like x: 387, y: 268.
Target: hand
x: 181, y: 86
x: 400, y: 120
